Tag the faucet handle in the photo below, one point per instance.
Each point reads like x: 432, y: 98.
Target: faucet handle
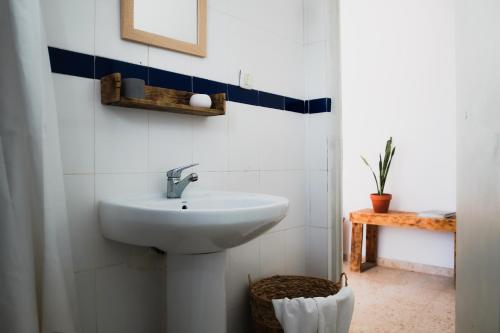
x: 176, y: 173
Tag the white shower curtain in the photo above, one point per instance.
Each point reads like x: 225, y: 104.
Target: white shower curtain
x: 36, y: 278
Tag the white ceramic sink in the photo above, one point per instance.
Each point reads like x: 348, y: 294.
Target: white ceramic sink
x: 200, y: 222
x: 194, y: 231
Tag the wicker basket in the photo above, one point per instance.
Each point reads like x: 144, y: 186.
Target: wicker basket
x: 281, y: 286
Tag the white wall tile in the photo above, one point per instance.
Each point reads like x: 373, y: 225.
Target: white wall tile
x: 243, y: 54
x: 272, y: 254
x: 113, y: 185
x: 243, y: 181
x: 268, y: 74
x: 170, y: 140
x: 243, y: 260
x: 295, y: 250
x: 219, y: 5
x: 291, y: 185
x: 245, y: 139
x: 289, y: 12
x: 69, y: 24
x: 82, y: 218
x: 121, y: 138
x: 316, y: 74
x: 107, y: 35
x: 214, y: 65
x: 244, y: 10
x: 75, y: 111
x: 129, y: 301
x: 86, y: 294
x: 317, y: 140
x: 170, y: 60
x: 283, y: 145
x: 316, y: 20
x: 210, y: 143
x: 208, y: 181
x: 157, y: 182
x: 318, y: 189
x: 317, y: 258
x: 145, y: 258
x: 271, y: 74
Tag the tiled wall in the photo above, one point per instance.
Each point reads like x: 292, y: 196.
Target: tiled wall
x: 321, y: 155
x: 111, y: 151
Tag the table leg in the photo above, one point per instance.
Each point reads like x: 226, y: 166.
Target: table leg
x: 371, y: 243
x: 371, y: 247
x: 356, y: 246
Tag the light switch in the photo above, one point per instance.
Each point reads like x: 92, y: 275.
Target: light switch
x: 246, y: 80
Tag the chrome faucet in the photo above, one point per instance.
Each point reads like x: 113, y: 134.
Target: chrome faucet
x: 175, y: 186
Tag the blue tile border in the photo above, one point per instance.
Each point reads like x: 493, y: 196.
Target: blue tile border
x: 328, y: 104
x: 71, y: 63
x: 240, y: 95
x: 204, y: 86
x: 106, y: 66
x: 273, y: 101
x: 170, y: 80
x: 319, y: 105
x: 94, y: 67
x: 295, y: 105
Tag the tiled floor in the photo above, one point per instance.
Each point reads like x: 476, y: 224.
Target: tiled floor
x: 389, y: 300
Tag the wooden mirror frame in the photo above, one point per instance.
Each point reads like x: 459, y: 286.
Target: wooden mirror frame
x: 128, y: 31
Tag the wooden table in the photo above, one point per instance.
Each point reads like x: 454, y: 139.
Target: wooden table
x: 391, y: 219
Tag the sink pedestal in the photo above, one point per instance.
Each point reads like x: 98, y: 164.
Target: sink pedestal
x: 196, y: 293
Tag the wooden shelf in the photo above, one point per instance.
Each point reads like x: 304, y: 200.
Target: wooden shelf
x: 158, y: 99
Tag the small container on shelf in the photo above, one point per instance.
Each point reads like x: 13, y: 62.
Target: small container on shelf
x: 133, y: 88
x: 200, y: 100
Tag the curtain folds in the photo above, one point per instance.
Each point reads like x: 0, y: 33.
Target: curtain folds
x: 36, y: 273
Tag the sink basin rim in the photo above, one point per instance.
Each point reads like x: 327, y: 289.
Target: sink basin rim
x: 140, y: 202
x: 155, y: 221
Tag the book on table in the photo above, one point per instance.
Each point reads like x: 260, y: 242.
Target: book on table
x: 437, y: 214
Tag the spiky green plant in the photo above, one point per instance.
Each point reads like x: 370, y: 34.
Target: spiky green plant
x: 383, y: 166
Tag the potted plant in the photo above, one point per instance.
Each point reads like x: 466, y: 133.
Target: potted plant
x: 381, y: 200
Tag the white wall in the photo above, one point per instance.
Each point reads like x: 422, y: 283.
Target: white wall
x: 478, y: 173
x: 109, y: 151
x: 321, y: 47
x: 316, y: 43
x: 398, y: 79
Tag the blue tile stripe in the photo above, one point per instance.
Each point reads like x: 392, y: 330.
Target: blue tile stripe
x: 94, y: 67
x: 106, y: 66
x: 71, y: 63
x: 273, y: 101
x: 170, y: 80
x: 319, y: 105
x: 240, y: 95
x: 295, y: 105
x: 204, y: 86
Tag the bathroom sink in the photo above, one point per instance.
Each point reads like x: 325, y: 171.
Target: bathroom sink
x: 199, y: 222
x: 194, y: 231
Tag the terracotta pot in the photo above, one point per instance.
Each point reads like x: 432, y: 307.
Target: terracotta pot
x: 381, y: 203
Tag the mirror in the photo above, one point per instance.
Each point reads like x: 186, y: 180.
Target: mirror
x: 178, y: 25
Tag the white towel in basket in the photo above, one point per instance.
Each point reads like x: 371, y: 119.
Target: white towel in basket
x: 330, y: 314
